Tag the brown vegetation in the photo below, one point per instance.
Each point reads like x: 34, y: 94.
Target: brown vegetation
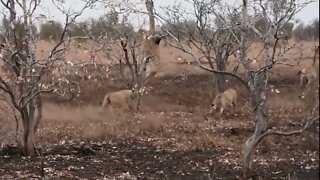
x: 170, y: 138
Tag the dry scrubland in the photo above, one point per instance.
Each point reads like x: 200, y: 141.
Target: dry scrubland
x: 172, y: 137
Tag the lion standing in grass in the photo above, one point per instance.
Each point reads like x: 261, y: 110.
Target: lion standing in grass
x: 225, y: 100
x: 122, y: 99
x: 310, y: 74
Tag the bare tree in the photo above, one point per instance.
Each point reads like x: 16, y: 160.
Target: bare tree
x: 278, y: 15
x: 256, y: 81
x: 22, y: 78
x: 137, y: 66
x: 123, y: 51
x: 128, y: 59
x: 134, y: 51
x: 208, y: 34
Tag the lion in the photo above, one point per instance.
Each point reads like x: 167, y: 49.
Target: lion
x: 225, y: 100
x: 310, y: 75
x: 122, y: 99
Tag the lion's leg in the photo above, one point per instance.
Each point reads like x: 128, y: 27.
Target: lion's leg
x: 308, y: 83
x: 301, y: 80
x: 116, y: 110
x: 130, y: 106
x: 211, y: 111
x: 221, y: 110
x: 300, y: 84
x: 146, y: 80
x: 283, y: 49
x: 234, y: 105
x: 232, y: 108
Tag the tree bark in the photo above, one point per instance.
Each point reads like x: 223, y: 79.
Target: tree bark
x: 28, y: 135
x: 38, y: 112
x: 261, y: 127
x: 150, y: 7
x: 220, y: 78
x: 30, y: 151
x: 258, y: 82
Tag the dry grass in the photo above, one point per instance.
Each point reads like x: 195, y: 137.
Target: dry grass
x: 301, y: 52
x: 174, y: 118
x: 88, y: 123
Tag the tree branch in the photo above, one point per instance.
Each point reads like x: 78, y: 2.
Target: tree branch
x: 198, y: 63
x: 35, y: 95
x: 8, y: 90
x: 289, y: 133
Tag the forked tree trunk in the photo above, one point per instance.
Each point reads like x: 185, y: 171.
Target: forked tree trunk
x: 28, y: 134
x: 251, y: 143
x: 29, y: 144
x: 31, y: 115
x: 258, y: 86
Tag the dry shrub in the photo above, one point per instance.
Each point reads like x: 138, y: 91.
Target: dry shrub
x: 151, y: 122
x: 7, y: 123
x: 88, y: 123
x: 285, y: 102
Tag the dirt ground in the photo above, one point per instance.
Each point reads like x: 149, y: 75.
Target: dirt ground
x: 172, y: 137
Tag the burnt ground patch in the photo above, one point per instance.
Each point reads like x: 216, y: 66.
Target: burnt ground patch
x: 133, y: 159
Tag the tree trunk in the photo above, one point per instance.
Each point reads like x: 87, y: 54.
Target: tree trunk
x: 38, y: 112
x: 220, y: 82
x: 215, y: 85
x: 30, y: 149
x: 31, y: 115
x: 133, y: 79
x: 28, y: 135
x: 220, y: 78
x: 258, y: 86
x: 152, y: 26
x: 261, y: 127
x: 138, y: 101
x: 137, y: 89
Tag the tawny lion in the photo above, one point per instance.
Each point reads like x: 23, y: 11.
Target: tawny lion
x: 120, y: 99
x: 225, y: 100
x: 308, y: 74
